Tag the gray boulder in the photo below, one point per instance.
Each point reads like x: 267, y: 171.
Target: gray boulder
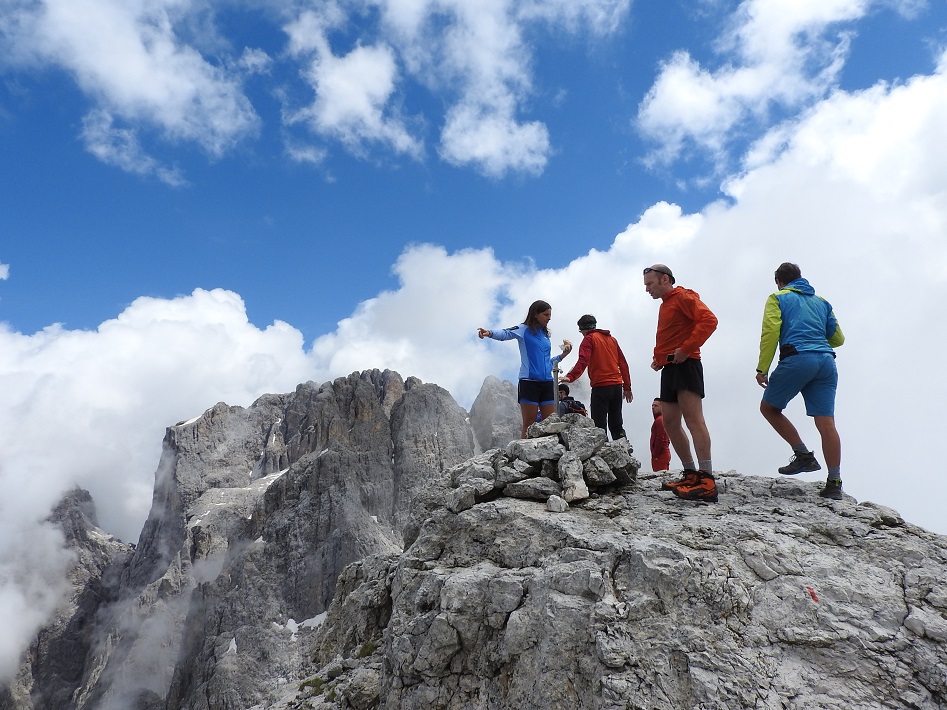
x: 495, y: 414
x: 538, y: 488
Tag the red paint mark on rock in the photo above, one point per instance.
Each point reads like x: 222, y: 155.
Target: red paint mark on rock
x: 812, y: 594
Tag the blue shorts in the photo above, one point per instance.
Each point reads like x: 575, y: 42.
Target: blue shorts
x: 813, y: 374
x: 537, y: 392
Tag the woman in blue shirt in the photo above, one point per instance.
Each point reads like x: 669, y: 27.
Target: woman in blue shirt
x: 536, y: 390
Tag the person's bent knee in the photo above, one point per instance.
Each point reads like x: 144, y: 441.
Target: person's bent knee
x: 824, y: 422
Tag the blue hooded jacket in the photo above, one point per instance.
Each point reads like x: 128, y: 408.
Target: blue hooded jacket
x: 535, y: 350
x: 795, y: 318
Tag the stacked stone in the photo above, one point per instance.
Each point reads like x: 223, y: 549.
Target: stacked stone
x: 562, y: 460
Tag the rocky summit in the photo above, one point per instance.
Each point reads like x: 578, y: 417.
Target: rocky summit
x: 363, y: 544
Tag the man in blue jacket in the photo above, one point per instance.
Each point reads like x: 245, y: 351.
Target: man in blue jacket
x: 806, y: 331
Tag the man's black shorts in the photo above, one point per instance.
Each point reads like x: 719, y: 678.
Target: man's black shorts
x: 688, y: 375
x: 536, y: 392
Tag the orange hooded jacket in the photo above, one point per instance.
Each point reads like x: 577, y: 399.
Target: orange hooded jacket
x: 684, y: 322
x: 601, y: 353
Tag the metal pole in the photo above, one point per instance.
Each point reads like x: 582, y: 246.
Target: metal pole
x: 555, y: 386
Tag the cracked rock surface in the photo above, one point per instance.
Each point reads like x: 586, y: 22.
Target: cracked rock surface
x: 771, y: 598
x: 364, y: 544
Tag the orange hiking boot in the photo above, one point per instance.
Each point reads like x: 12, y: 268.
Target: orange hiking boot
x: 705, y: 489
x: 690, y: 478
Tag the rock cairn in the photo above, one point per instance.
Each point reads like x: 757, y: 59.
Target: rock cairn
x: 563, y: 459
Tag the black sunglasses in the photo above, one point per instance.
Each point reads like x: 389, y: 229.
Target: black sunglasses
x: 650, y: 269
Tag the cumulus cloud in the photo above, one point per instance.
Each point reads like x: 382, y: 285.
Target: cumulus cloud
x: 80, y: 390
x: 4, y: 271
x: 492, y: 139
x: 781, y: 54
x: 478, y: 51
x: 486, y: 52
x: 130, y: 61
x: 90, y: 408
x: 353, y: 92
x: 368, y: 70
x: 472, y: 55
x: 120, y: 147
x: 427, y: 326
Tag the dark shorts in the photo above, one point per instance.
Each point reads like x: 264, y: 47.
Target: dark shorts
x: 536, y: 392
x: 688, y: 375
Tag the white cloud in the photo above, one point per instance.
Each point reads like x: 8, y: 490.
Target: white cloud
x: 493, y: 140
x: 785, y: 53
x: 105, y: 396
x: 129, y: 60
x: 151, y: 73
x: 255, y: 61
x: 353, y: 92
x: 4, y: 271
x: 472, y: 55
x: 32, y: 576
x: 90, y: 408
x: 120, y: 147
x: 600, y: 16
x: 305, y: 153
x: 422, y: 328
x: 485, y: 51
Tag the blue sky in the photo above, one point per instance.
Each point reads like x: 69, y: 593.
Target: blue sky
x: 248, y: 209
x: 207, y: 201
x: 85, y: 238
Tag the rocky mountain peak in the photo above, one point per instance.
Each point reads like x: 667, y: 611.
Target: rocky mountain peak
x: 363, y: 543
x: 632, y: 598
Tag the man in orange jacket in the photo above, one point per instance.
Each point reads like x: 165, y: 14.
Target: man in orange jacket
x: 608, y: 375
x: 684, y: 324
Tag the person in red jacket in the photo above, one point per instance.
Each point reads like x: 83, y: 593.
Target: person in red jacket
x: 660, y: 444
x: 684, y: 324
x: 608, y: 375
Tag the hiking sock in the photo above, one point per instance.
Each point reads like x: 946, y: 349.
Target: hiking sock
x: 835, y: 473
x: 705, y: 466
x: 688, y: 465
x: 801, y: 448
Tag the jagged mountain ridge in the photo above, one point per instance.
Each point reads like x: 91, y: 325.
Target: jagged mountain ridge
x: 627, y: 599
x: 255, y: 512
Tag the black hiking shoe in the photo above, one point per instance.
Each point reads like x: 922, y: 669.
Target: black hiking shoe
x: 799, y: 463
x: 832, y: 489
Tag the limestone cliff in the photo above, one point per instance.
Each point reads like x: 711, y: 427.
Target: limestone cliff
x: 55, y: 662
x: 632, y: 598
x: 255, y: 513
